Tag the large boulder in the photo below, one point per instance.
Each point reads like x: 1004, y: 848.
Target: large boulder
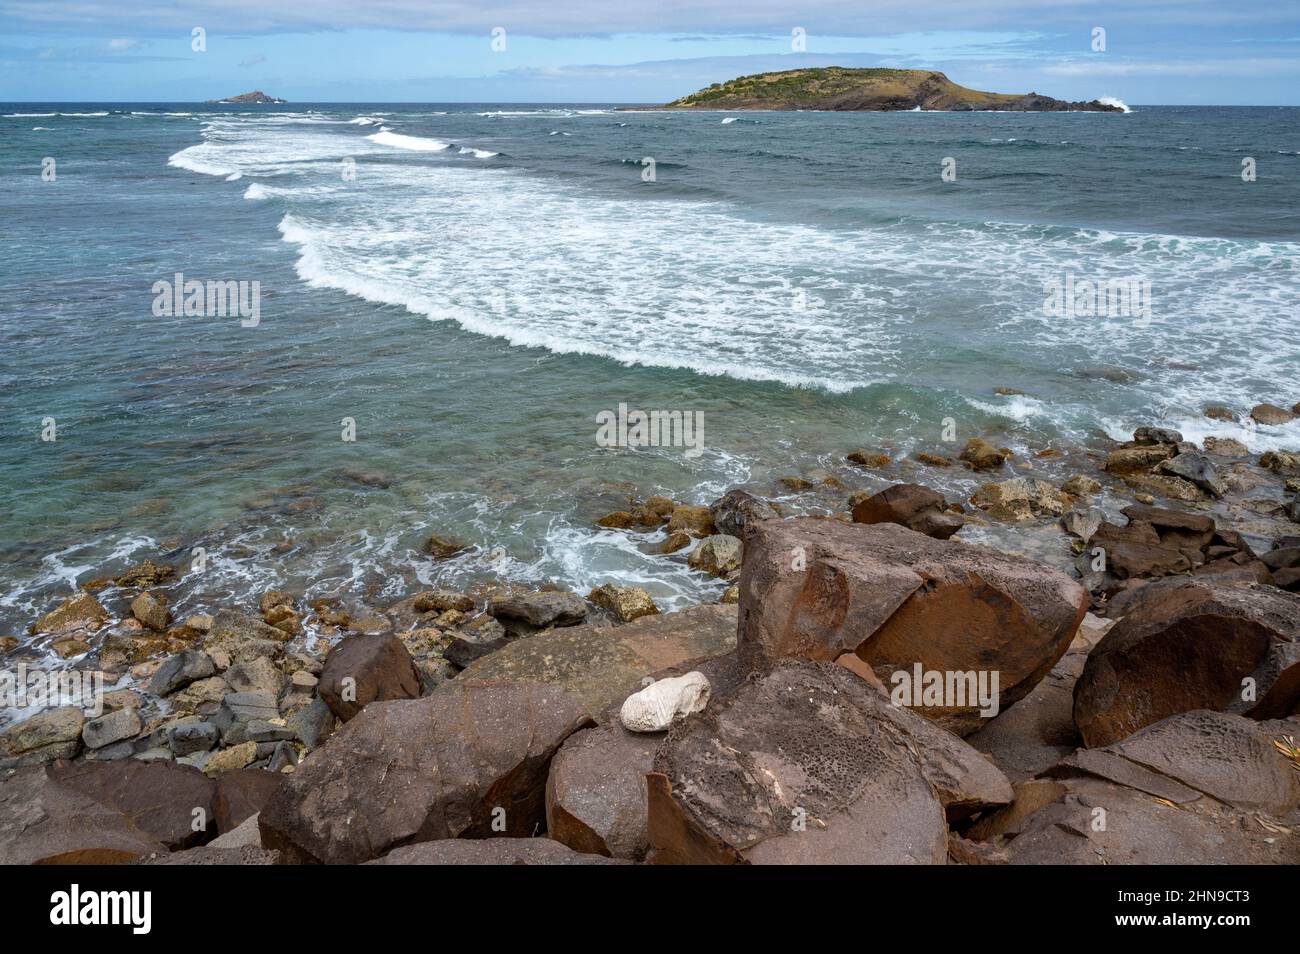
x: 819, y: 588
x: 79, y: 613
x: 808, y: 763
x: 602, y: 666
x: 913, y: 506
x: 170, y: 803
x: 44, y: 737
x: 1191, y: 644
x: 448, y: 765
x: 596, y: 793
x: 365, y: 669
x: 43, y: 821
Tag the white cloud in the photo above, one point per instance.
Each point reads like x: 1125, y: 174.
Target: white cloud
x: 123, y: 43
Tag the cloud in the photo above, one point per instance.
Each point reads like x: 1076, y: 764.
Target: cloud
x: 253, y: 59
x: 123, y: 43
x: 1245, y: 67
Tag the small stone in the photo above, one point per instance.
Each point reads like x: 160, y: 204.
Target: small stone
x: 675, y: 542
x: 1217, y: 412
x: 871, y: 459
x: 150, y: 608
x: 147, y: 573
x: 111, y: 727
x: 67, y: 648
x: 661, y: 703
x: 981, y: 455
x: 227, y: 760
x: 795, y: 483
x: 625, y: 602
x: 443, y: 548
x: 1157, y: 435
x: 438, y: 601
x: 1081, y: 486
x: 1271, y: 414
x: 199, y: 622
x: 933, y: 460
x: 449, y: 619
x: 717, y: 555
x: 732, y: 594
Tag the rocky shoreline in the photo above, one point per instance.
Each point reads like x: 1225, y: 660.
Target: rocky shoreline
x: 1145, y: 708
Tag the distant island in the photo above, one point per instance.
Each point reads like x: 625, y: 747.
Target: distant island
x: 843, y: 88
x: 256, y: 97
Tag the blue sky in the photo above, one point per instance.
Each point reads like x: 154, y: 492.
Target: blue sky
x: 1156, y: 51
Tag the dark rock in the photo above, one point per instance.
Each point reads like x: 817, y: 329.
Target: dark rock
x: 364, y: 669
x: 1194, y: 467
x: 913, y: 506
x: 180, y: 670
x: 490, y: 851
x: 737, y: 509
x: 546, y: 608
x: 443, y: 766
x: 186, y: 738
x: 1157, y: 435
x: 241, y: 794
x: 463, y: 653
x: 1183, y: 645
x: 818, y: 588
x: 168, y: 802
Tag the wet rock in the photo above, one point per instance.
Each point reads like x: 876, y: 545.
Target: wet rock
x: 70, y: 648
x: 602, y: 666
x: 664, y: 702
x: 78, y: 613
x: 1081, y: 523
x: 820, y: 588
x: 45, y: 822
x: 241, y: 636
x: 439, y: 601
x: 111, y: 727
x: 180, y: 670
x: 872, y: 459
x: 596, y: 792
x: 490, y: 851
x: 1157, y: 435
x: 1217, y: 412
x: 364, y: 669
x: 718, y: 555
x: 44, y: 737
x: 981, y: 455
x: 933, y: 460
x: 1286, y: 463
x: 751, y: 779
x: 1081, y: 485
x: 162, y: 799
x: 424, y: 769
x: 443, y: 548
x: 617, y: 520
x: 1225, y: 447
x: 686, y: 518
x: 1021, y: 498
x: 464, y: 653
x: 546, y: 608
x: 1195, y: 469
x: 146, y: 574
x: 1137, y: 458
x: 913, y: 506
x: 1183, y: 645
x: 625, y: 602
x: 734, y: 511
x: 1271, y: 414
x: 675, y: 541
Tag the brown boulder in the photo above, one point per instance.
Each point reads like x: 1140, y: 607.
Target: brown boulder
x: 1271, y: 414
x: 596, y: 794
x: 364, y: 669
x: 807, y: 763
x: 43, y: 821
x: 241, y: 794
x: 1189, y: 644
x: 981, y: 455
x: 80, y: 612
x: 818, y: 588
x: 913, y: 506
x: 164, y: 800
x: 448, y: 765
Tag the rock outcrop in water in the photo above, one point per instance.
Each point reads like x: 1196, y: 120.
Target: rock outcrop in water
x: 844, y: 89
x: 255, y: 98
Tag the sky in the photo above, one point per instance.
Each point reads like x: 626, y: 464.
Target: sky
x: 1184, y: 52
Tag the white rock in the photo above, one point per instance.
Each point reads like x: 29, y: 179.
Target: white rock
x: 659, y: 704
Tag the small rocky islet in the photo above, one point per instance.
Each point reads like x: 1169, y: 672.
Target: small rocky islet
x: 1150, y: 676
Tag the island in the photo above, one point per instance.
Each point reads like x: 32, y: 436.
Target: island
x: 879, y: 89
x: 256, y: 97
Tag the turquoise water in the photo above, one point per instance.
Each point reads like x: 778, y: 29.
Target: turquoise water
x: 493, y: 277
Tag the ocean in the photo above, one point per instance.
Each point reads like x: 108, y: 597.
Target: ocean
x: 472, y: 285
